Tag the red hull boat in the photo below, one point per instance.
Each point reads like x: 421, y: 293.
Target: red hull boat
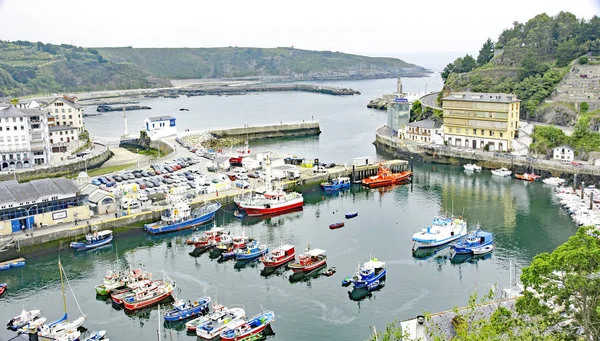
x: 385, y: 177
x: 310, y: 260
x: 150, y: 298
x: 279, y: 256
x: 336, y: 225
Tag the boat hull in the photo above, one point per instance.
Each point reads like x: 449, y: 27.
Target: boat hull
x: 81, y: 246
x: 358, y: 284
x: 351, y: 215
x: 436, y: 243
x: 189, y: 313
x: 155, y: 228
x: 469, y: 249
x: 252, y: 255
x: 255, y: 211
x: 308, y: 268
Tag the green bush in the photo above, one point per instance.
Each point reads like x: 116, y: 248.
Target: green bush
x: 584, y: 107
x: 583, y: 60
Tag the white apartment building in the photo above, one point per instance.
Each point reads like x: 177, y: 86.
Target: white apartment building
x: 24, y: 138
x: 66, y: 112
x: 564, y: 153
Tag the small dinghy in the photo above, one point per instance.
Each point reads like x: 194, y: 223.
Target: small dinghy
x: 3, y: 288
x: 96, y: 335
x: 182, y: 310
x: 24, y: 318
x: 351, y: 215
x: 483, y: 250
x: 330, y: 272
x: 336, y: 225
x: 238, y: 214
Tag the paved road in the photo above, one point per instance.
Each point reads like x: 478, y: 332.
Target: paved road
x: 429, y: 100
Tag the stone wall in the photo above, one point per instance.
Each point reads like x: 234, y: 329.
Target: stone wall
x: 72, y: 168
x: 271, y: 131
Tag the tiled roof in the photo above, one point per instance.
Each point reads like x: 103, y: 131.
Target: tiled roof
x: 36, y: 189
x: 427, y: 124
x: 15, y: 112
x: 67, y: 102
x: 160, y: 118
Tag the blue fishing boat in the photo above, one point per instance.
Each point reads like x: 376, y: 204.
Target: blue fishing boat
x: 183, y: 310
x: 4, y: 266
x: 17, y: 264
x: 371, y: 272
x: 474, y: 240
x: 338, y: 183
x: 179, y: 217
x: 251, y: 251
x: 94, y: 240
x: 351, y: 215
x: 252, y: 327
x: 14, y: 263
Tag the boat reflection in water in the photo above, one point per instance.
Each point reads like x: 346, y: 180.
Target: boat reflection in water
x: 250, y: 263
x: 200, y: 250
x: 274, y: 271
x: 468, y: 258
x: 427, y: 253
x: 307, y: 276
x: 359, y: 294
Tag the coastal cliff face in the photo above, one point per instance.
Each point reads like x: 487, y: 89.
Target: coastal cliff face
x: 236, y: 62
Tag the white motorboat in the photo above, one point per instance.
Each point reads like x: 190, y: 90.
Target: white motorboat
x: 219, y: 321
x: 501, y: 172
x: 23, y: 319
x: 62, y: 328
x: 443, y: 230
x: 483, y: 250
x: 554, y: 181
x: 472, y: 167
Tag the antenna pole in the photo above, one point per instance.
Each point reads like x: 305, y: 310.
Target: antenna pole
x: 62, y: 283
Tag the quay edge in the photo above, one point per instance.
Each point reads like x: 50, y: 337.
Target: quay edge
x: 302, y: 129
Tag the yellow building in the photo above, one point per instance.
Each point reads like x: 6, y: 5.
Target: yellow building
x: 474, y: 120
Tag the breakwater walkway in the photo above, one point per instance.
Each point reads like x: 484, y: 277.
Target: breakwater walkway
x: 299, y: 129
x: 458, y: 156
x: 233, y: 90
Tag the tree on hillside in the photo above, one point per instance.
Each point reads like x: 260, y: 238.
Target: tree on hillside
x: 567, y: 283
x: 486, y: 52
x: 447, y: 71
x: 468, y: 64
x: 566, y: 52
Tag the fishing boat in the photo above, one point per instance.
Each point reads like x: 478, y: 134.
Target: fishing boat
x: 279, y: 256
x: 478, y: 251
x: 338, y: 183
x: 329, y: 272
x: 385, y: 177
x: 375, y: 285
x: 222, y: 318
x: 252, y: 327
x: 475, y: 239
x: 14, y: 263
x: 112, y: 281
x: 310, y: 260
x: 179, y: 217
x: 472, y: 167
x: 3, y: 288
x: 371, y: 272
x: 94, y: 240
x: 270, y: 203
x: 553, y: 181
x: 183, y: 310
x: 351, y: 215
x: 237, y: 158
x: 527, y: 177
x: 251, y: 251
x: 442, y: 231
x: 336, y: 225
x: 96, y: 335
x: 23, y: 319
x: 501, y: 172
x: 148, y: 298
x: 212, y: 235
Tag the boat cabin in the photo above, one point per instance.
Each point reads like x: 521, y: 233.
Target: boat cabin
x: 311, y: 256
x: 98, y: 236
x: 479, y: 238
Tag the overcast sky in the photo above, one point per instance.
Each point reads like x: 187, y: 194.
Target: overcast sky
x: 376, y: 27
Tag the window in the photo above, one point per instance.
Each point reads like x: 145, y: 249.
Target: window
x: 491, y: 133
x: 15, y: 128
x: 69, y: 109
x: 22, y: 137
x: 14, y: 119
x: 71, y: 123
x: 56, y: 111
x: 0, y: 128
x: 501, y: 135
x: 18, y: 157
x: 70, y: 116
x: 64, y: 117
x: 22, y: 128
x: 61, y: 132
x: 458, y: 130
x: 449, y: 130
x: 481, y: 131
x: 21, y: 119
x: 8, y: 139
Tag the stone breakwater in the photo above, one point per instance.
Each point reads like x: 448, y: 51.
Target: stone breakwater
x: 270, y: 131
x: 378, y: 103
x: 243, y: 89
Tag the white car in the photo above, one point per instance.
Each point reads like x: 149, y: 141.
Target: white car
x: 142, y: 197
x: 241, y: 170
x: 241, y: 176
x: 319, y: 169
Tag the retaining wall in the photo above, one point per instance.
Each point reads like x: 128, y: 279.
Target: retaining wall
x: 271, y: 131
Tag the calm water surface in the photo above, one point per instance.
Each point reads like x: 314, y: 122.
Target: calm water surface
x: 524, y: 217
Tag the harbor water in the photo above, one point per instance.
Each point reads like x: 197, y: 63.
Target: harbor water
x: 525, y: 218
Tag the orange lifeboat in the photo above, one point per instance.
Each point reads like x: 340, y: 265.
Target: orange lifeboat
x: 385, y: 177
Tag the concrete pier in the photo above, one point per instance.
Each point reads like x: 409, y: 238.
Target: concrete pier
x: 300, y: 129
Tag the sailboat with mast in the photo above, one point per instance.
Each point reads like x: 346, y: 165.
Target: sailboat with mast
x: 64, y: 328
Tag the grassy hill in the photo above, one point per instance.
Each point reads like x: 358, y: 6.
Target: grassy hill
x: 528, y: 59
x: 227, y: 62
x: 35, y: 68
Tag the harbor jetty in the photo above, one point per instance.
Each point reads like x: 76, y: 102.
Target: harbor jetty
x: 300, y: 129
x: 243, y: 89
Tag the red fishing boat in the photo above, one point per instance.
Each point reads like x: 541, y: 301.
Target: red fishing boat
x: 385, y: 177
x: 3, y: 288
x: 527, y: 177
x: 213, y: 235
x: 237, y: 158
x: 148, y: 298
x: 279, y: 256
x: 336, y: 225
x: 310, y: 260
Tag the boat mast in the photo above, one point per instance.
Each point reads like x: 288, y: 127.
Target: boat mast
x: 62, y: 283
x: 158, y: 330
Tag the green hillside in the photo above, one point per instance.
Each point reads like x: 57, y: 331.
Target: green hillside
x: 528, y: 59
x: 226, y: 62
x: 35, y: 68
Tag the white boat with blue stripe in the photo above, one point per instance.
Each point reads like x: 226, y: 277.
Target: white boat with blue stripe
x: 473, y: 242
x: 180, y: 217
x: 442, y: 231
